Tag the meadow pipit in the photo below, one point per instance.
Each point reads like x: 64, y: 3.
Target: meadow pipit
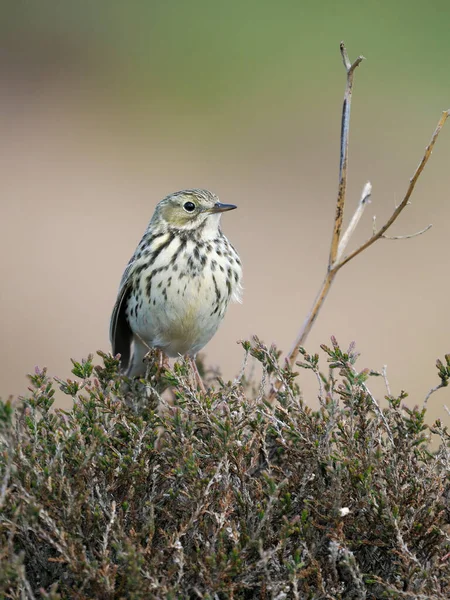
x: 178, y: 283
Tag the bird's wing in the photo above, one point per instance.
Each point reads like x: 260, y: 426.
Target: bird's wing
x: 120, y: 332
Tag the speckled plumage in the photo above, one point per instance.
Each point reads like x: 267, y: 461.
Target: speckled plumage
x: 179, y: 282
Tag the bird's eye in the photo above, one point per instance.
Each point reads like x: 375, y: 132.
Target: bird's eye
x: 189, y: 207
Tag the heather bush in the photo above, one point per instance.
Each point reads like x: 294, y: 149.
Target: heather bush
x: 140, y: 493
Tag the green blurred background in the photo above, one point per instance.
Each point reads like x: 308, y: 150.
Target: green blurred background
x: 109, y: 106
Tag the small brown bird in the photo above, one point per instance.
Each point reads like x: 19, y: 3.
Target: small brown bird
x: 178, y: 283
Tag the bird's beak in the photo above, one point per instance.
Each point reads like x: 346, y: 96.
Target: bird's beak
x: 219, y: 207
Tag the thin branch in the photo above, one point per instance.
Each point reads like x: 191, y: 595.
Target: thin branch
x: 407, y: 237
x: 336, y: 262
x: 310, y: 319
x: 435, y: 389
x: 108, y: 528
x: 374, y: 225
x: 27, y: 585
x: 331, y: 272
x: 377, y: 408
x: 386, y: 381
x: 378, y: 411
x: 409, y: 191
x: 364, y: 201
x: 5, y: 482
x: 345, y: 130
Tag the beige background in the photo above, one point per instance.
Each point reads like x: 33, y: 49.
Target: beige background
x: 105, y: 113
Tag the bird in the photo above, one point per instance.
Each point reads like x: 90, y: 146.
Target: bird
x: 178, y: 284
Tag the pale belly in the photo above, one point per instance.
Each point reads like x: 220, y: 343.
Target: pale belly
x: 182, y: 313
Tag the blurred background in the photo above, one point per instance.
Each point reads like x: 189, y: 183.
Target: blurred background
x: 107, y: 107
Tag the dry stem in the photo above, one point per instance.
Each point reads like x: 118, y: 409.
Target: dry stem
x: 431, y: 392
x: 412, y: 184
x: 337, y: 259
x: 345, y: 130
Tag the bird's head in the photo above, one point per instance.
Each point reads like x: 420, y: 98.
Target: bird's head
x: 190, y: 210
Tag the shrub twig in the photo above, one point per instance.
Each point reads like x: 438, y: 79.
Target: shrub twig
x: 339, y: 243
x: 345, y: 130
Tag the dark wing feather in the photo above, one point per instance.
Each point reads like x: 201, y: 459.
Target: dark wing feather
x: 120, y: 332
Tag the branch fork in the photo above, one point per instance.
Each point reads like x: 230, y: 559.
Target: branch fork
x: 339, y: 242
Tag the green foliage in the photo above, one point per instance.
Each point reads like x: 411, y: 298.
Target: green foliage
x: 225, y: 495
x: 444, y: 370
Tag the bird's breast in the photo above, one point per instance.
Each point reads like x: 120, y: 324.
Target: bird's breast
x: 183, y: 295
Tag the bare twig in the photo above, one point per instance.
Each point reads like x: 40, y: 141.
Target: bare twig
x: 378, y: 410
x: 409, y: 191
x: 335, y: 240
x: 435, y: 389
x: 338, y: 245
x: 311, y: 318
x: 407, y: 237
x: 28, y: 587
x: 108, y: 528
x: 364, y: 201
x: 345, y: 130
x: 5, y: 482
x: 238, y: 379
x: 386, y: 381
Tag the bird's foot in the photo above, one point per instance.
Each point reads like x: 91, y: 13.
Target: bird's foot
x: 197, y: 377
x: 157, y: 363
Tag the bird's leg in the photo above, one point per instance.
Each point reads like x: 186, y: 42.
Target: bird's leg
x: 163, y: 361
x: 160, y: 360
x: 155, y: 357
x: 197, y: 377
